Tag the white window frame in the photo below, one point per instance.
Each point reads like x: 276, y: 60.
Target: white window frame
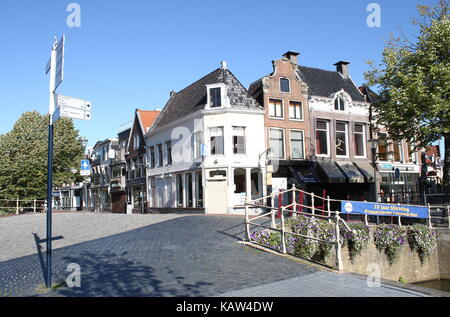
x: 301, y: 110
x: 290, y: 143
x: 363, y: 138
x: 223, y: 92
x: 347, y: 148
x: 223, y: 141
x: 160, y: 161
x: 282, y: 109
x: 341, y: 98
x: 245, y: 139
x: 328, y: 138
x: 284, y: 144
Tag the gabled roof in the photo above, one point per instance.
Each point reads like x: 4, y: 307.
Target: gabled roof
x: 325, y: 83
x: 320, y: 82
x: 194, y: 97
x: 147, y: 118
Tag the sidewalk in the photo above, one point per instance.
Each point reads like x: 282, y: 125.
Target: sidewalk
x: 324, y: 284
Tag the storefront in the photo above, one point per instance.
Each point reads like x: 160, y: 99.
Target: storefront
x: 400, y: 183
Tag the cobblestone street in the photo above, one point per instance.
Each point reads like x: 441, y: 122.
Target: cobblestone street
x: 184, y: 256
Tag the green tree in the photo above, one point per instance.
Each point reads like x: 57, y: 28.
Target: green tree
x: 23, y: 156
x: 413, y: 80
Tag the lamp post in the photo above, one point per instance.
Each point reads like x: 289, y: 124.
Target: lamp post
x: 374, y: 146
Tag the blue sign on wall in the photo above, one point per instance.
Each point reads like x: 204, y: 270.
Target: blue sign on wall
x: 377, y: 209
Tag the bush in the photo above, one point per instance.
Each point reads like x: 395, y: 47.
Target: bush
x: 357, y: 239
x: 390, y: 239
x: 423, y: 240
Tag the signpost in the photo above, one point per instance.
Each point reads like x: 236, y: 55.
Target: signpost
x: 81, y: 111
x: 85, y: 170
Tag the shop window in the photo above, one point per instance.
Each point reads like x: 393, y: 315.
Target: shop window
x: 189, y: 192
x: 240, y: 181
x: 179, y: 184
x: 256, y: 183
x: 198, y: 190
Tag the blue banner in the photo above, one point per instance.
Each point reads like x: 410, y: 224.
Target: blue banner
x: 377, y: 209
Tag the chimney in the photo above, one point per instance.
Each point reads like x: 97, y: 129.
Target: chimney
x: 223, y: 65
x: 292, y: 56
x: 342, y: 68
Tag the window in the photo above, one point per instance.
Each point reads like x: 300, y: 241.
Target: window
x: 297, y: 151
x: 238, y: 140
x: 359, y: 140
x: 339, y: 104
x: 256, y: 183
x: 215, y: 97
x: 152, y: 157
x: 341, y: 138
x: 219, y: 173
x: 275, y: 108
x: 382, y: 147
x: 322, y: 137
x: 285, y: 85
x: 179, y: 184
x: 136, y: 142
x: 412, y: 158
x: 160, y: 155
x: 198, y: 190
x: 277, y: 143
x: 216, y: 135
x: 295, y: 110
x: 189, y: 192
x: 169, y: 152
x: 198, y: 139
x: 398, y: 151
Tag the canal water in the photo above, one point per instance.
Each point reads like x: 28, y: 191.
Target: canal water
x: 440, y: 285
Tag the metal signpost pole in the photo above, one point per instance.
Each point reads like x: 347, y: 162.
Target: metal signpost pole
x: 50, y: 165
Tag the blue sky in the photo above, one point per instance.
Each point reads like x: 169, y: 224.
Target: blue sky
x: 131, y: 54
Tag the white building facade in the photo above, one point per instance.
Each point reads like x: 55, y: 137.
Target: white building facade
x: 206, y: 152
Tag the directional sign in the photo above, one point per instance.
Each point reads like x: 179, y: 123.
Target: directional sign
x: 74, y: 113
x: 85, y: 169
x: 60, y: 62
x: 71, y: 102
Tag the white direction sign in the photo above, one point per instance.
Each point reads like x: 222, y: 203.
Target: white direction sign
x: 74, y: 113
x: 74, y: 108
x: 64, y: 101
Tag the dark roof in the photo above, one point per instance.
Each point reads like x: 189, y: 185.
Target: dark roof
x: 325, y: 83
x: 372, y: 97
x: 193, y: 97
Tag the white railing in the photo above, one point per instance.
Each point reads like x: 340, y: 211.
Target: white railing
x: 19, y: 205
x: 295, y: 208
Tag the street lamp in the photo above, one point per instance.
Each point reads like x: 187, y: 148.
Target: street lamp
x: 374, y: 147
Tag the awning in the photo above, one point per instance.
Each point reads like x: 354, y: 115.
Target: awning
x: 331, y: 173
x: 305, y: 174
x: 367, y: 170
x: 352, y: 173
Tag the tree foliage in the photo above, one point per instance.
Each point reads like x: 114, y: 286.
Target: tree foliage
x: 413, y: 80
x: 23, y: 156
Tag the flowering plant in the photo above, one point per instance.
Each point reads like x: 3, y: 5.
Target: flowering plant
x: 390, y: 239
x: 357, y: 239
x: 422, y: 239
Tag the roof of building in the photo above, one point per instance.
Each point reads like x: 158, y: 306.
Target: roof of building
x: 325, y: 83
x: 194, y: 97
x: 320, y: 83
x: 372, y: 97
x: 147, y: 118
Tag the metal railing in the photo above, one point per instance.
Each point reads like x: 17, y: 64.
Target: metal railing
x: 18, y: 206
x: 293, y: 209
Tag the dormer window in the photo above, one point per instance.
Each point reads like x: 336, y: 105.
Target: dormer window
x: 339, y: 104
x: 215, y: 97
x: 285, y: 85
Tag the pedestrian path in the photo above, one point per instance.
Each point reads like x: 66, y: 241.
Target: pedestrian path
x: 323, y: 284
